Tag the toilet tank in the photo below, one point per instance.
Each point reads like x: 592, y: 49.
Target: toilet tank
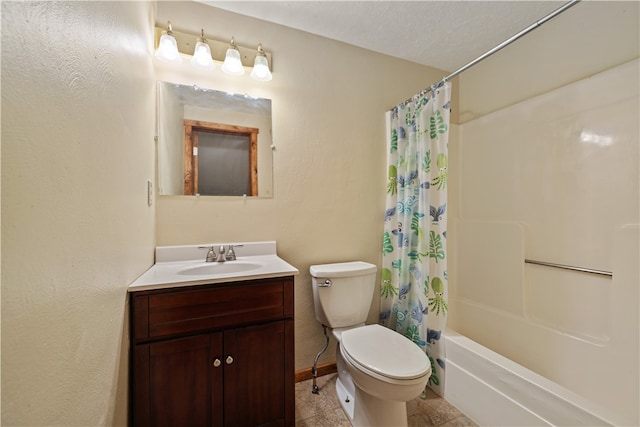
x: 342, y: 292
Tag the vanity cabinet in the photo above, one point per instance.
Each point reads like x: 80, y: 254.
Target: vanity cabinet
x: 213, y: 355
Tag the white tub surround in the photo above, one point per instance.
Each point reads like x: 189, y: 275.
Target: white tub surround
x: 554, y: 178
x: 493, y: 390
x: 185, y: 265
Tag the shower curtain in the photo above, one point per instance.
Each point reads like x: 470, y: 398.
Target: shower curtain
x: 414, y: 265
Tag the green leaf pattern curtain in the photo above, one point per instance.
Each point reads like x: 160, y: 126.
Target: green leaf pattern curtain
x: 414, y: 265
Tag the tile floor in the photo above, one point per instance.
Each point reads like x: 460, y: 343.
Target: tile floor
x: 323, y: 410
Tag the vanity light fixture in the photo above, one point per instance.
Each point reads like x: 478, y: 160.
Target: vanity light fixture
x: 261, y: 66
x: 232, y: 62
x: 202, y: 54
x: 168, y: 47
x: 173, y: 45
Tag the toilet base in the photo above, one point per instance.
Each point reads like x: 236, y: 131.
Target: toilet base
x: 346, y: 399
x: 364, y: 410
x: 373, y: 412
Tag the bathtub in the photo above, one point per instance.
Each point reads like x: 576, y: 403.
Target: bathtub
x: 494, y: 391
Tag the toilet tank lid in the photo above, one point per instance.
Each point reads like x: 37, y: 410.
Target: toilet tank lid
x: 342, y: 269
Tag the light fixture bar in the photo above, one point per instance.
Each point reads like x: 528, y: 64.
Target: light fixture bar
x: 187, y: 42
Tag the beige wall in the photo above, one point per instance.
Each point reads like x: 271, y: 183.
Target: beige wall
x: 78, y: 96
x: 329, y: 160
x: 586, y: 39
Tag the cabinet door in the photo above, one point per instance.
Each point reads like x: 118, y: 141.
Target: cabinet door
x: 183, y: 387
x: 254, y: 383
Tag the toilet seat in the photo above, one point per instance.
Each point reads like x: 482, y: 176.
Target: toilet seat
x: 383, y: 352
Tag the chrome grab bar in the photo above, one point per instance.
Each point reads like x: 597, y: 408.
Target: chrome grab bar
x: 570, y: 267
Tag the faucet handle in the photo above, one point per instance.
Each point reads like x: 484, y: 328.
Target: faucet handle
x: 231, y: 254
x: 211, y: 254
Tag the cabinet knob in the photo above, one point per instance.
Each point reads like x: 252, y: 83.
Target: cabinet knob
x: 229, y: 360
x: 217, y: 363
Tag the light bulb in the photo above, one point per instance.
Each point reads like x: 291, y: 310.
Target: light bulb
x: 232, y: 63
x: 202, y: 54
x: 168, y: 47
x: 261, y: 69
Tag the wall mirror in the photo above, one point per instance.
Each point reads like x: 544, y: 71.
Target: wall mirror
x: 212, y: 143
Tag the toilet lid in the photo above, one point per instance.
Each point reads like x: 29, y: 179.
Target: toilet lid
x: 385, y: 352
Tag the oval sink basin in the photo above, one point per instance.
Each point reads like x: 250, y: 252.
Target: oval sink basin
x: 220, y: 268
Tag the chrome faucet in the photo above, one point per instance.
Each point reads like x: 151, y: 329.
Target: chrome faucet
x: 222, y: 255
x: 211, y: 254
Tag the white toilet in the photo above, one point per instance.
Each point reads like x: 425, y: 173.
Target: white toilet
x: 379, y: 370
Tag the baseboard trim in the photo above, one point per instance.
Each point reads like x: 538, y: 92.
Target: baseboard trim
x: 305, y: 374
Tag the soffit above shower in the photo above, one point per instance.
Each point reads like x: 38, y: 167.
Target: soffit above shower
x: 439, y: 34
x: 587, y: 39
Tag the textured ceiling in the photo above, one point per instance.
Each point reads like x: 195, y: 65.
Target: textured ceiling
x: 440, y: 34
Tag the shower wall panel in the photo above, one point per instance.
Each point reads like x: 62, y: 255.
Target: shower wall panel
x: 554, y: 178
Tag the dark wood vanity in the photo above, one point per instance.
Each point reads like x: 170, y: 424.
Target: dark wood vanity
x: 213, y: 355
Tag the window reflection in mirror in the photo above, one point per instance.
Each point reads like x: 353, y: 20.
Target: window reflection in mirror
x: 219, y: 159
x: 213, y: 143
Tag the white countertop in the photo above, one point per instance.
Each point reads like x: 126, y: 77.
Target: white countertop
x: 178, y: 266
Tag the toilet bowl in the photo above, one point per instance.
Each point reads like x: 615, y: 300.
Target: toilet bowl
x: 387, y: 370
x: 379, y: 370
x: 384, y: 363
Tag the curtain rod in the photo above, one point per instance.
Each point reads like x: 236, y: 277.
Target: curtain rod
x: 500, y: 46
